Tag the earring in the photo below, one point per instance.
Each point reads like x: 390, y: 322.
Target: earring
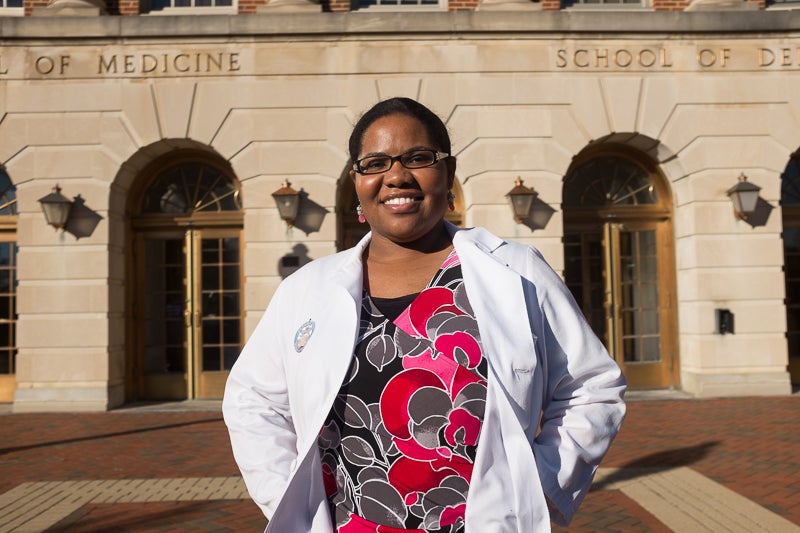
x: 360, y: 212
x: 451, y: 198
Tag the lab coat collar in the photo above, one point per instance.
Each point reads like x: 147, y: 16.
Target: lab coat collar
x: 481, y: 238
x: 495, y: 293
x: 351, y: 272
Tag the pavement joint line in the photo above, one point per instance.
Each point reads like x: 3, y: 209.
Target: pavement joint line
x: 120, y: 491
x: 20, y: 490
x: 49, y: 518
x: 173, y: 486
x: 156, y: 490
x: 680, y: 498
x: 42, y: 497
x: 721, y: 515
x: 142, y: 489
x: 45, y: 503
x: 685, y: 500
x: 234, y: 489
x: 9, y: 498
x: 82, y: 490
x: 187, y: 490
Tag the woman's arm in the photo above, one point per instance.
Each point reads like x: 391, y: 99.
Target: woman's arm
x: 582, y: 404
x: 256, y: 411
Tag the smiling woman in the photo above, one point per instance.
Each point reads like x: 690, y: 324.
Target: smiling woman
x: 456, y: 383
x: 402, y: 181
x: 403, y: 173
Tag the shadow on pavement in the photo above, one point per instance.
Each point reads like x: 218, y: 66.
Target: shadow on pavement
x: 13, y: 449
x: 657, y: 462
x: 102, y: 519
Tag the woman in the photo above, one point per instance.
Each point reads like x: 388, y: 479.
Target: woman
x: 429, y: 379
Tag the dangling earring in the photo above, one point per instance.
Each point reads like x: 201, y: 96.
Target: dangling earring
x: 360, y: 212
x: 451, y: 198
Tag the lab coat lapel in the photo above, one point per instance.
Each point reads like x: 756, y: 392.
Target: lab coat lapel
x: 496, y: 295
x: 321, y: 366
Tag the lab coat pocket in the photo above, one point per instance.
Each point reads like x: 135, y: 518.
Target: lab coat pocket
x: 515, y: 370
x: 520, y: 388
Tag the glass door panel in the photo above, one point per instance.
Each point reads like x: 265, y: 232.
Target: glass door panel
x: 220, y: 325
x: 613, y: 271
x: 164, y: 317
x: 584, y: 275
x: 791, y: 266
x: 8, y: 317
x: 790, y: 208
x: 191, y: 320
x: 639, y: 296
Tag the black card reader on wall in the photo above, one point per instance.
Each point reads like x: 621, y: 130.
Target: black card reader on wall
x: 724, y: 321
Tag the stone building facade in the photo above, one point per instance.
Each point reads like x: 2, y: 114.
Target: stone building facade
x: 170, y: 133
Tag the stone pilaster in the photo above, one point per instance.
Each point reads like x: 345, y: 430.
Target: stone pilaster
x: 71, y: 8
x: 721, y: 5
x: 290, y: 6
x: 508, y: 5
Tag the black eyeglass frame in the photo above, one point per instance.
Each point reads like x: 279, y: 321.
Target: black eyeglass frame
x: 437, y: 156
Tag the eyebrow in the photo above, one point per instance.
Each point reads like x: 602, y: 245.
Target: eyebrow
x: 375, y: 154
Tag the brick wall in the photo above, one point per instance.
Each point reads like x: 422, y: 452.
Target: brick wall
x: 128, y: 7
x: 131, y: 7
x: 670, y: 5
x: 462, y: 5
x: 658, y: 5
x: 249, y: 6
x: 30, y: 4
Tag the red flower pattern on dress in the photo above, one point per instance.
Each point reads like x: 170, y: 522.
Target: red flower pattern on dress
x: 426, y: 421
x: 356, y: 524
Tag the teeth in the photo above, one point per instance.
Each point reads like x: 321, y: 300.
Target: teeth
x: 399, y: 201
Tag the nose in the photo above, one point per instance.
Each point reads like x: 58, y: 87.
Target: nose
x: 397, y: 175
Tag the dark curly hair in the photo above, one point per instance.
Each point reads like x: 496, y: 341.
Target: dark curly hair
x: 437, y: 131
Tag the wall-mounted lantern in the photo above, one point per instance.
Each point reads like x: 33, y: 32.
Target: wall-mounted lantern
x: 521, y: 199
x: 56, y: 208
x: 744, y: 196
x: 288, y: 202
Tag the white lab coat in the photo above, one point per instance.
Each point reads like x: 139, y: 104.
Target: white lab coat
x: 545, y: 364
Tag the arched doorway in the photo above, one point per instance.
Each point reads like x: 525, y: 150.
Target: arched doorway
x: 619, y: 260
x: 185, y: 253
x: 790, y: 207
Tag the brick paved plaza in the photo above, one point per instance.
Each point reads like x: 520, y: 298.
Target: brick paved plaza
x: 678, y: 464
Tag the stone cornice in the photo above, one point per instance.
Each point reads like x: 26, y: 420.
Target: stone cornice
x: 390, y: 25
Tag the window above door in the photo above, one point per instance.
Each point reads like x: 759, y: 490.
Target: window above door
x: 190, y: 191
x: 189, y: 7
x: 402, y: 5
x: 609, y: 182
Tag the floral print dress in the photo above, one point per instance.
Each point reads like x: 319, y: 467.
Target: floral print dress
x: 399, y: 444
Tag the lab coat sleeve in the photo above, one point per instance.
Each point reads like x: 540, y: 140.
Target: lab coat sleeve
x: 256, y: 411
x: 582, y: 404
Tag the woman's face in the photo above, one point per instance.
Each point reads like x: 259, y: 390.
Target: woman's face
x: 402, y: 205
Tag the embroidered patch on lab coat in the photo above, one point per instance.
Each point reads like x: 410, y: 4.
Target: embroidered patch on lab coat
x: 303, y: 335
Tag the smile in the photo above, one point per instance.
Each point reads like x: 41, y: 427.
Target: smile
x: 399, y: 201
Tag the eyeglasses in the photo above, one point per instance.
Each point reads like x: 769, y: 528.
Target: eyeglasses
x: 375, y: 164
